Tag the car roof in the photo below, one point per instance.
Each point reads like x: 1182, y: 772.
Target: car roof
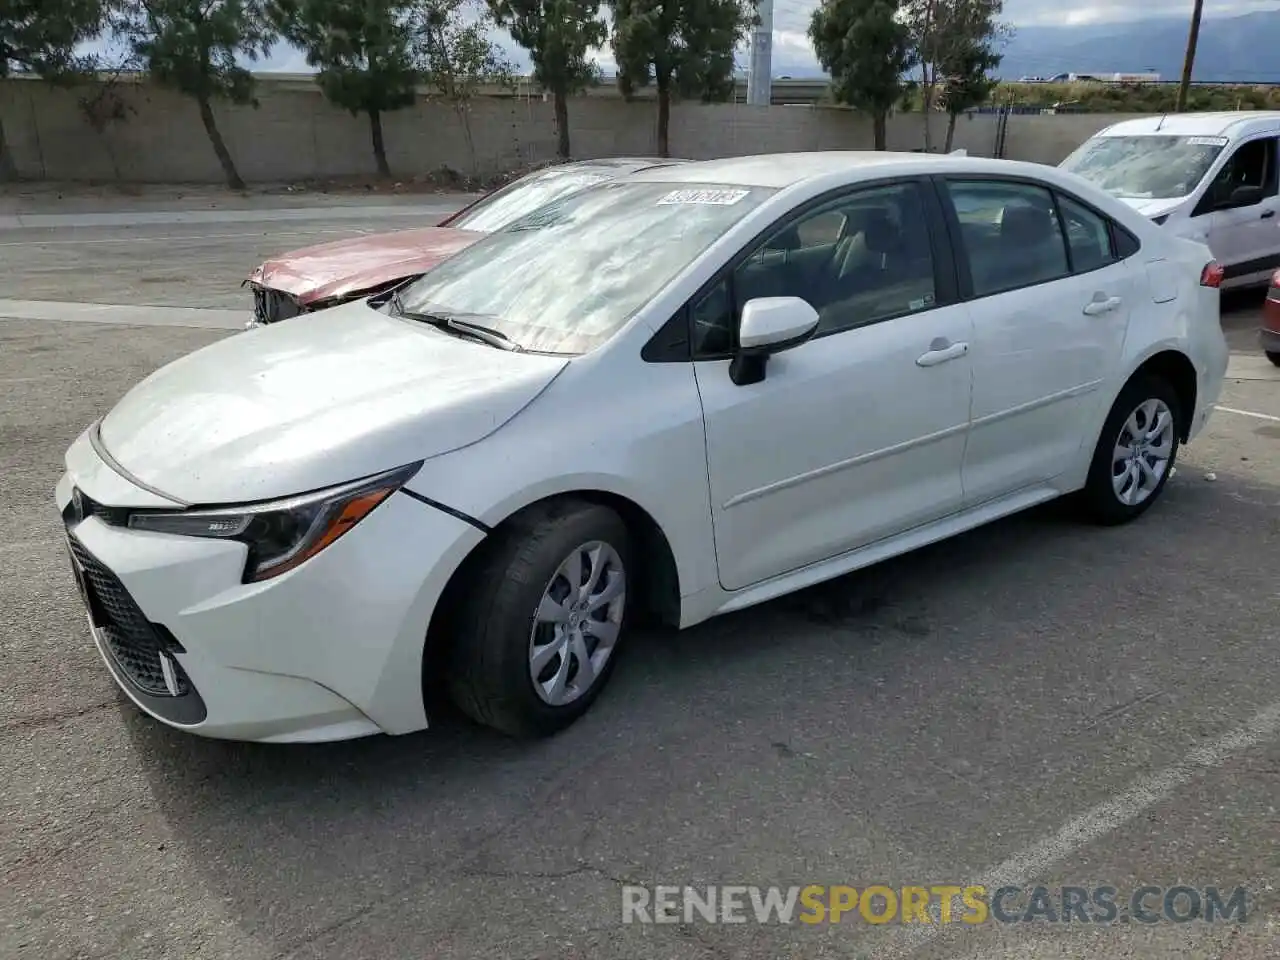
x: 1220, y: 124
x: 619, y: 165
x: 780, y: 170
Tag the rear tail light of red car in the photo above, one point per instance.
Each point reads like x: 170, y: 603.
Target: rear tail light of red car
x: 1211, y: 275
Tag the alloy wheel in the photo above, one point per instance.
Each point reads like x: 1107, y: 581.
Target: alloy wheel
x: 577, y: 622
x: 1142, y: 452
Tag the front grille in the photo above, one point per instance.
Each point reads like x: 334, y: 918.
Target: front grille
x: 136, y: 644
x: 81, y: 508
x: 272, y: 306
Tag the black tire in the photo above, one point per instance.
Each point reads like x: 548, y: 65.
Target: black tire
x: 1098, y: 497
x: 1273, y: 356
x: 489, y: 675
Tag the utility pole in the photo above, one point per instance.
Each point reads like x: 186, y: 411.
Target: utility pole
x: 760, y: 79
x: 1193, y: 37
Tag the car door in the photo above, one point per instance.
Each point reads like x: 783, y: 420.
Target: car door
x: 1050, y: 310
x: 1245, y: 238
x: 858, y: 433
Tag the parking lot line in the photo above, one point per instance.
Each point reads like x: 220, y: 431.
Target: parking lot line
x: 1250, y: 366
x: 141, y: 315
x: 1105, y: 818
x: 1248, y: 413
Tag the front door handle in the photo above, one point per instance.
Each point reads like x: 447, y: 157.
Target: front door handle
x: 941, y: 353
x: 1268, y: 215
x: 1097, y: 307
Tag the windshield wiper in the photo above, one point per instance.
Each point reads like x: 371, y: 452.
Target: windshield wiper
x: 495, y: 338
x: 489, y: 335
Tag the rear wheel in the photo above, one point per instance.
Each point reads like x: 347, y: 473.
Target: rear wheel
x: 1135, y: 452
x: 1274, y: 357
x: 537, y: 635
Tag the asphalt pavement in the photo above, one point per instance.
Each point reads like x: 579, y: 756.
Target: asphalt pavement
x: 1035, y: 702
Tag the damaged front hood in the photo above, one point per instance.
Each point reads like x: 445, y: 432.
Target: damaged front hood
x: 296, y: 407
x: 345, y: 267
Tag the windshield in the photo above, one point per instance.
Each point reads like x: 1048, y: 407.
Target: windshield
x: 526, y: 195
x: 567, y: 277
x: 1147, y: 167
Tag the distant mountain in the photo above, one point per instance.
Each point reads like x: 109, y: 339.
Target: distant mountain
x: 1231, y: 49
x: 1238, y: 49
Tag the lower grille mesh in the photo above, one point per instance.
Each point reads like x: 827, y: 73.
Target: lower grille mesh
x: 136, y: 644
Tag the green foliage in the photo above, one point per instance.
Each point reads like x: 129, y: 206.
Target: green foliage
x: 682, y: 46
x: 969, y: 51
x: 558, y: 34
x: 967, y: 81
x: 952, y: 42
x: 1135, y: 97
x: 865, y: 48
x: 453, y: 52
x: 41, y: 36
x: 360, y: 48
x: 945, y: 32
x: 456, y: 57
x: 191, y: 45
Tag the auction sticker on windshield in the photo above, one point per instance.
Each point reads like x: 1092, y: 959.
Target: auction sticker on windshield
x: 1207, y: 141
x: 723, y: 198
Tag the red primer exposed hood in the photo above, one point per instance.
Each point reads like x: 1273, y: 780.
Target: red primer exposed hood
x: 346, y: 267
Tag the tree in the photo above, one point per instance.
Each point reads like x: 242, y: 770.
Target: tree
x: 362, y: 50
x: 41, y: 37
x: 558, y: 35
x: 967, y: 84
x: 947, y: 35
x: 192, y: 46
x: 683, y: 47
x: 103, y: 105
x: 864, y: 47
x: 456, y: 57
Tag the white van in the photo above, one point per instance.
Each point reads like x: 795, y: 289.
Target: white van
x: 1208, y: 176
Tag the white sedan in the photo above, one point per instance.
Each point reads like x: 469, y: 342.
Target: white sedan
x: 672, y: 395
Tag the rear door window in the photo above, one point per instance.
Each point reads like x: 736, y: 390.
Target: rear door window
x: 1011, y: 234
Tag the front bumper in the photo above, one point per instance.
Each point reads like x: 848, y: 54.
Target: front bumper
x: 272, y: 306
x: 331, y: 650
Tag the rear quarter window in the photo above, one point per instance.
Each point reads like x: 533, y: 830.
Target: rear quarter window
x: 1125, y: 243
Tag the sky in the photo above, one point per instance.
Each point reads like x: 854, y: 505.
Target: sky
x: 791, y: 20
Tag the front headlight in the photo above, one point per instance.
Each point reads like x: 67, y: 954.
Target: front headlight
x: 281, y: 534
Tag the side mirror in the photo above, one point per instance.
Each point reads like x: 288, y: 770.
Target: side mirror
x: 769, y: 325
x: 1243, y: 197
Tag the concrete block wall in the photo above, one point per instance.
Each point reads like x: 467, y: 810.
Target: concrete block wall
x: 294, y: 134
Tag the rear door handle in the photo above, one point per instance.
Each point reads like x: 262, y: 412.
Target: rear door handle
x: 941, y: 353
x: 1098, y: 307
x: 1268, y: 215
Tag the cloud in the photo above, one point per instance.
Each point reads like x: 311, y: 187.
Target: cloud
x: 793, y: 55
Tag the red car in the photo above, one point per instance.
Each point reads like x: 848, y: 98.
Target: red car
x: 328, y: 274
x: 1270, y: 332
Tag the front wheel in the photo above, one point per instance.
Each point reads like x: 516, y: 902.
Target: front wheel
x: 1135, y: 453
x: 1274, y: 357
x: 538, y: 633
